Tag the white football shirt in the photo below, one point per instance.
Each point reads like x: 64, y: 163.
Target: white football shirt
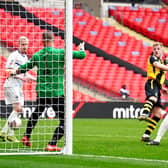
x: 14, y: 61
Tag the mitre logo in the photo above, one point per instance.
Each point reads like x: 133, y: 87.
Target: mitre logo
x: 126, y: 112
x: 48, y: 112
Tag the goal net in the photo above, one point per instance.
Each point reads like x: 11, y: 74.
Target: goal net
x: 37, y: 133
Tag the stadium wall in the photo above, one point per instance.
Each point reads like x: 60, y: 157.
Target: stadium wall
x: 115, y: 110
x: 110, y: 110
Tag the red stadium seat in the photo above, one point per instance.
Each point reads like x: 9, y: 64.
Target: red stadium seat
x: 89, y: 69
x: 145, y: 20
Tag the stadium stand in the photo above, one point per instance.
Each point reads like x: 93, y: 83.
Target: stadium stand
x: 97, y: 33
x: 104, y: 76
x: 111, y: 81
x: 151, y: 22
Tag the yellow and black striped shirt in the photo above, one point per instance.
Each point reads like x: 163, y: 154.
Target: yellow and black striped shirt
x: 153, y: 72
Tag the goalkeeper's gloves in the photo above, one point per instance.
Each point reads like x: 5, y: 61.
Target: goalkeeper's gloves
x: 82, y: 46
x: 10, y: 72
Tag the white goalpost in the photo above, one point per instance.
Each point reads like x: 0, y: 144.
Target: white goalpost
x: 31, y: 19
x: 68, y: 86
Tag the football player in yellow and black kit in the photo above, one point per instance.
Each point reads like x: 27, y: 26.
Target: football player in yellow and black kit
x: 153, y: 88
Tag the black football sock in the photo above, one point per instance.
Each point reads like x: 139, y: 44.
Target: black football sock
x: 148, y: 106
x: 152, y: 125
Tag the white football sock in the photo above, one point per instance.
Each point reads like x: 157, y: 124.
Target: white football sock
x: 162, y: 129
x: 145, y: 135
x: 5, y: 128
x: 10, y: 132
x: 13, y: 115
x: 10, y: 118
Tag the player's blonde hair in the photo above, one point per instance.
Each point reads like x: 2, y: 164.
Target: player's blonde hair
x: 23, y: 38
x: 158, y: 44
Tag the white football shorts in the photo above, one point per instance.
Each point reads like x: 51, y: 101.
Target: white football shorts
x: 13, y: 95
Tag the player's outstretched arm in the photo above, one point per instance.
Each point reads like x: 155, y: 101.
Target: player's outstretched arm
x: 160, y: 66
x: 22, y: 69
x: 29, y: 65
x: 28, y: 77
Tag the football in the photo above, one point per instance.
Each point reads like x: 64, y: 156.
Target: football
x: 15, y: 123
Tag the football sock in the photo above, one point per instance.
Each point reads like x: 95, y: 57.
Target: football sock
x: 5, y: 128
x: 11, y: 132
x: 162, y: 129
x: 13, y: 115
x: 10, y: 118
x: 32, y: 122
x: 152, y: 125
x: 58, y: 134
x: 147, y: 108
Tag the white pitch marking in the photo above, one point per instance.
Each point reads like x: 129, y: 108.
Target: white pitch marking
x: 102, y: 135
x: 122, y: 158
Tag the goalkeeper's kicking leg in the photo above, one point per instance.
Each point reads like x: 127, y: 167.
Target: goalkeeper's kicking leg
x: 59, y: 131
x: 33, y: 121
x: 58, y: 134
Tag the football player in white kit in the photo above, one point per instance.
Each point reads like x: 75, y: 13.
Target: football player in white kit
x: 13, y: 87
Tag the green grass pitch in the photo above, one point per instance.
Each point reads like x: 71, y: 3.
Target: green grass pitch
x: 98, y: 143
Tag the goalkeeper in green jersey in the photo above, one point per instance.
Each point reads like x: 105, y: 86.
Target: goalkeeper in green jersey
x: 49, y: 88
